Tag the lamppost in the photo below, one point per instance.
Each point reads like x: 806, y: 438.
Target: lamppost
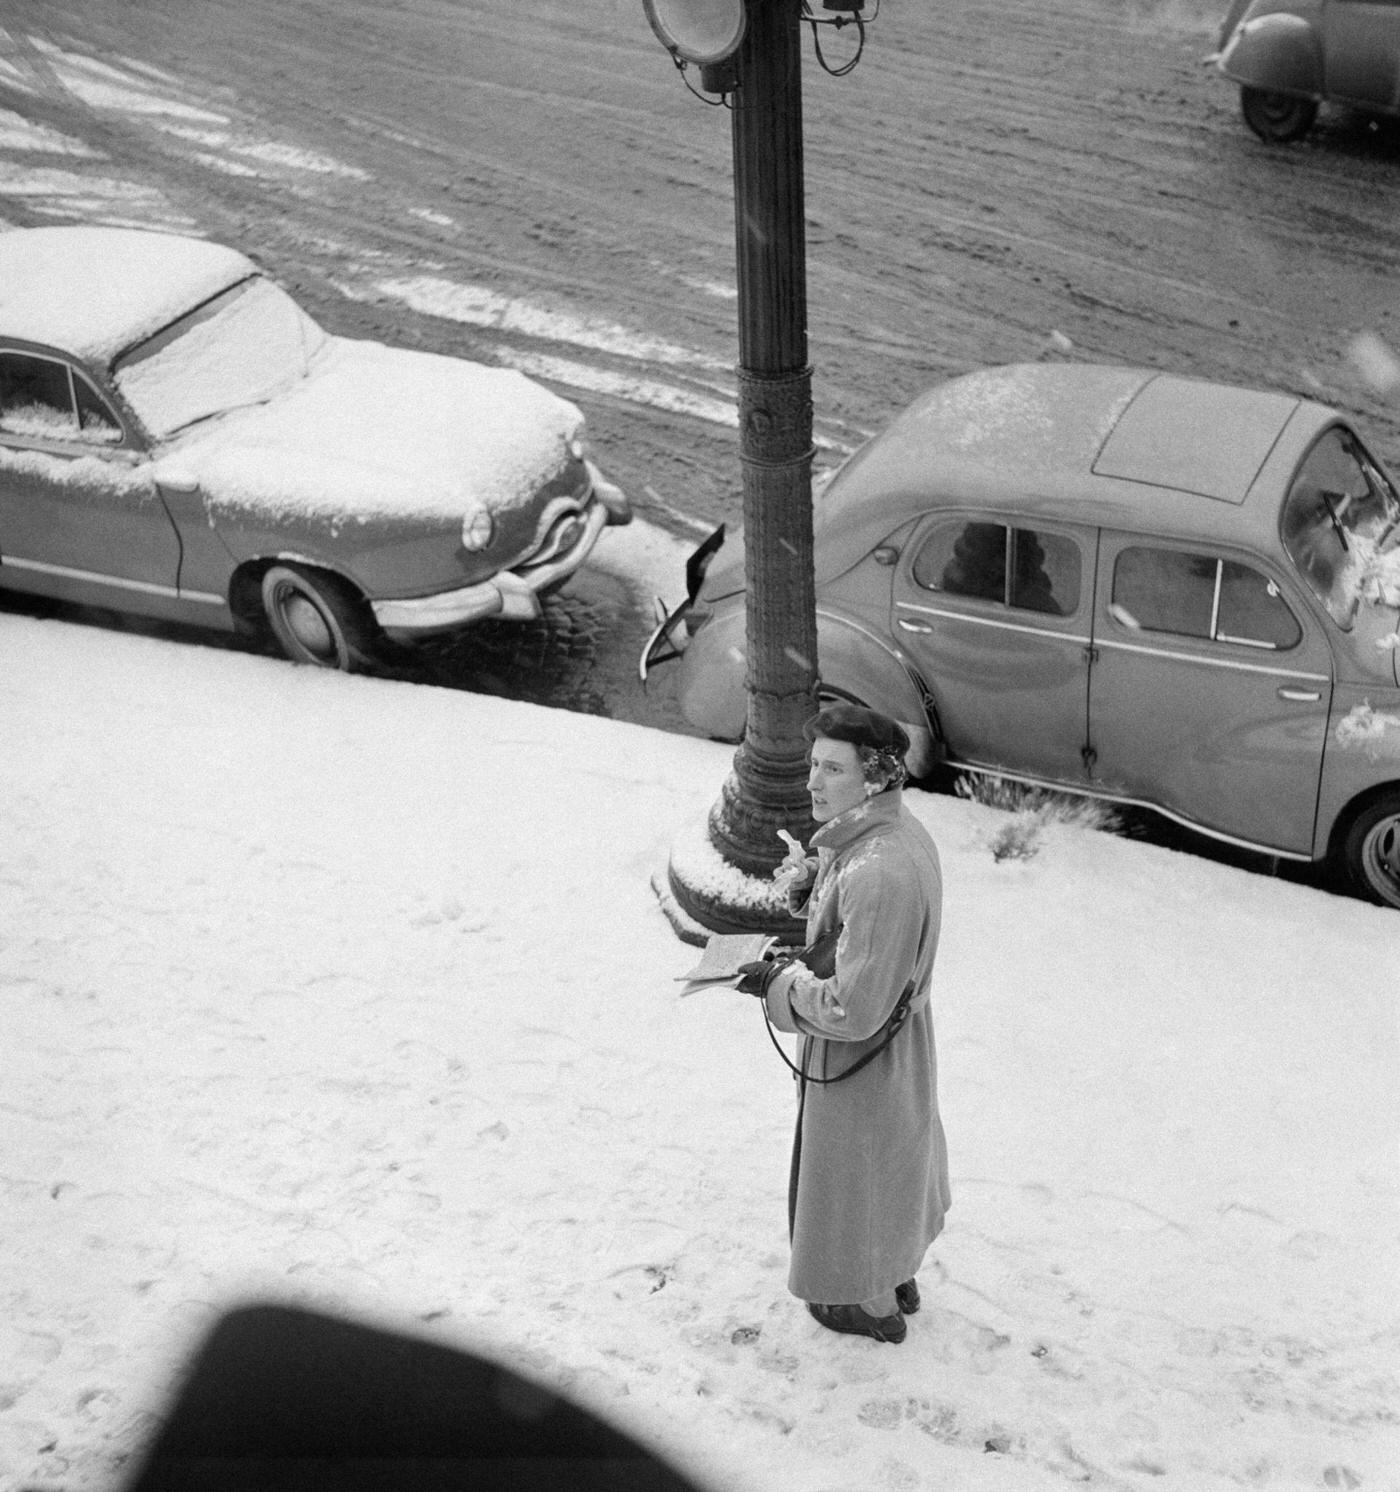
x: 749, y: 50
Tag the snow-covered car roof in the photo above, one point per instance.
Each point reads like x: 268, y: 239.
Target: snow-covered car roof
x: 95, y: 291
x: 1081, y: 442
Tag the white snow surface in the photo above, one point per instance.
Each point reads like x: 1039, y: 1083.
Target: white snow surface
x: 356, y: 995
x: 377, y: 431
x: 95, y: 291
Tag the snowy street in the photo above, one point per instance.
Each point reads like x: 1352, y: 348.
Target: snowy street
x: 355, y: 994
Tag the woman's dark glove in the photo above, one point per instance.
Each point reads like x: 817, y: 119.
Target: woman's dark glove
x: 755, y: 978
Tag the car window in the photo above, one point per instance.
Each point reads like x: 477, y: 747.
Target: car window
x: 244, y: 347
x: 1338, y: 496
x: 1025, y: 569
x: 41, y: 398
x: 1200, y: 595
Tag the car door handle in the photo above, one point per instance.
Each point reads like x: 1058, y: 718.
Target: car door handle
x: 912, y: 626
x: 1303, y: 696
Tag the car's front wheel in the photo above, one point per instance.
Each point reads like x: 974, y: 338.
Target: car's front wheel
x: 1277, y: 118
x: 317, y: 617
x: 1369, y: 854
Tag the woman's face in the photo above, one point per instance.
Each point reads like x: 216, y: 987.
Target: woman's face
x: 835, y: 780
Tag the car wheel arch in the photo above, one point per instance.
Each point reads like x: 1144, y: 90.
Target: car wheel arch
x: 853, y: 663
x: 1275, y: 52
x: 346, y: 600
x: 1351, y: 855
x: 857, y: 665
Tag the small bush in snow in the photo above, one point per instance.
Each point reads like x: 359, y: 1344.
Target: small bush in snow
x: 1032, y: 810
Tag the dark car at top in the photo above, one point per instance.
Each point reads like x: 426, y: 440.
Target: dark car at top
x: 1125, y: 583
x: 1290, y: 56
x: 179, y: 438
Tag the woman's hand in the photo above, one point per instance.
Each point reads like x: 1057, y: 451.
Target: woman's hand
x: 795, y: 868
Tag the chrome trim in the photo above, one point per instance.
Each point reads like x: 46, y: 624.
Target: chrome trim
x: 146, y: 587
x: 612, y: 497
x: 993, y: 621
x: 1231, y: 663
x: 512, y: 595
x: 881, y: 639
x: 1106, y: 795
x: 1125, y: 647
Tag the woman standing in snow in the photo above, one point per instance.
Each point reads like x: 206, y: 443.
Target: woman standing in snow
x: 869, y: 1179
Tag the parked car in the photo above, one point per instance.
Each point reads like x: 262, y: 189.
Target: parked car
x: 1289, y: 56
x: 1128, y: 584
x: 179, y: 438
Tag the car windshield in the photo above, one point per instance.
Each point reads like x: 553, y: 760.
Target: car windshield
x: 241, y: 348
x: 1340, y: 513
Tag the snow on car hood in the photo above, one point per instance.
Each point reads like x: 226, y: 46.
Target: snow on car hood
x: 376, y: 431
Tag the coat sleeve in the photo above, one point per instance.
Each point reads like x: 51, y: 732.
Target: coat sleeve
x: 882, y: 922
x: 799, y: 892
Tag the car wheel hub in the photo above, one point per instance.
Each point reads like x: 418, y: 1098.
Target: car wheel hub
x: 308, y: 626
x: 1380, y: 854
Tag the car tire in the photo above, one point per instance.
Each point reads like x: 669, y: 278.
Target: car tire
x: 1277, y: 118
x: 1368, y: 856
x: 317, y: 618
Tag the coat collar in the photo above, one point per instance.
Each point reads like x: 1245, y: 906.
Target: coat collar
x: 875, y: 813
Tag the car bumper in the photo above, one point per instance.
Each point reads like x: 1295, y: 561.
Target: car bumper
x: 512, y: 595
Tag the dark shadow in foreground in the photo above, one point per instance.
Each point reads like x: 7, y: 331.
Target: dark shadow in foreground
x: 284, y: 1400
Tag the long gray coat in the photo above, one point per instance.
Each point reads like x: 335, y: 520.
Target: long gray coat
x: 870, y: 1162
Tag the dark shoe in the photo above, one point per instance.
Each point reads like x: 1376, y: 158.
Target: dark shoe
x: 907, y: 1295
x: 860, y: 1323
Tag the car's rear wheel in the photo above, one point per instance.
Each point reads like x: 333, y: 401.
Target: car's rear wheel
x: 1369, y: 853
x: 1277, y: 118
x: 317, y: 617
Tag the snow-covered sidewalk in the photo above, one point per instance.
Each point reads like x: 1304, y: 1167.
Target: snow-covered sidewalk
x: 356, y: 994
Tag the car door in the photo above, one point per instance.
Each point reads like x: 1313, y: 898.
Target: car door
x: 1209, y: 691
x: 1361, y: 51
x: 80, y: 515
x: 995, y: 611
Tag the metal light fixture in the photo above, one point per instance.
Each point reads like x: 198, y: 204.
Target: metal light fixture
x: 839, y: 13
x: 707, y: 34
x: 700, y: 31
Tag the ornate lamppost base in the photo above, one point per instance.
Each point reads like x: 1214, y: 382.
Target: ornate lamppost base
x: 701, y: 893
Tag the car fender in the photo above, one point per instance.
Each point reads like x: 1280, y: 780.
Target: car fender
x: 710, y: 689
x: 852, y: 660
x: 1276, y: 53
x: 856, y: 661
x: 1361, y: 759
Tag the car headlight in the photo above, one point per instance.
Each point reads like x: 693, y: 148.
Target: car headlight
x: 478, y: 529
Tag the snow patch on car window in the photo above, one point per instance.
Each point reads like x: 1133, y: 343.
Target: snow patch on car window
x: 1374, y: 574
x: 255, y: 343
